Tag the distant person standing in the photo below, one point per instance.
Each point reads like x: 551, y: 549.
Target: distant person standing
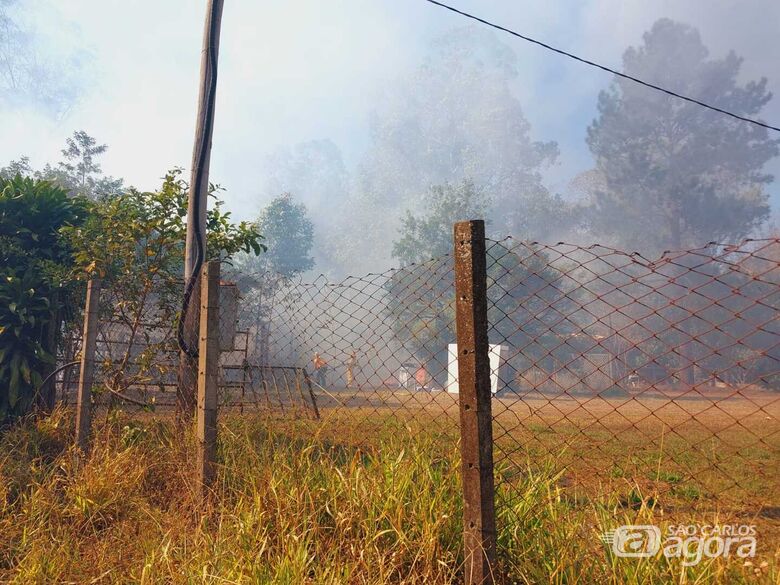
x: 320, y: 370
x: 351, y: 363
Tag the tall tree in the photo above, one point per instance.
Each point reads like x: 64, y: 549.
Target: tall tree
x: 20, y: 166
x: 289, y: 237
x: 673, y: 174
x: 429, y: 234
x: 524, y: 288
x: 315, y: 172
x: 454, y: 117
x: 79, y: 171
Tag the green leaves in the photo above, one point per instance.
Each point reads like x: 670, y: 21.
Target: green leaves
x: 34, y: 262
x: 135, y: 242
x: 50, y: 241
x: 139, y: 235
x: 24, y: 314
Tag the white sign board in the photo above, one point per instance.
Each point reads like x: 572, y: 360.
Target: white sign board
x: 496, y: 353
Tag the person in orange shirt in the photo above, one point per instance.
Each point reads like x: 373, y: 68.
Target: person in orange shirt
x: 320, y: 370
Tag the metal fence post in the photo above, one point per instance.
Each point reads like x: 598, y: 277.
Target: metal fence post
x: 89, y: 342
x: 208, y: 376
x: 476, y: 433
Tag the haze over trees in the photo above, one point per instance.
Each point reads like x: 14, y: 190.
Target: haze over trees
x: 421, y: 298
x: 79, y: 172
x: 671, y: 174
x: 288, y: 235
x: 454, y: 117
x: 29, y: 75
x: 315, y: 173
x: 667, y: 174
x: 428, y: 233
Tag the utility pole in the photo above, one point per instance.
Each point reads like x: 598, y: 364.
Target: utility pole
x: 195, y: 252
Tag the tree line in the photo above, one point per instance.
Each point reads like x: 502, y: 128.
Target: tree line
x: 450, y: 141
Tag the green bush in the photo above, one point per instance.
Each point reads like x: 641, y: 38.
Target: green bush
x: 35, y: 261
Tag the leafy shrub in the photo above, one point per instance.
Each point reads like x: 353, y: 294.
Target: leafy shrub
x: 35, y: 261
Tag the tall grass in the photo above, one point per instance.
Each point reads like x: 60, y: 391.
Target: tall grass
x: 291, y: 507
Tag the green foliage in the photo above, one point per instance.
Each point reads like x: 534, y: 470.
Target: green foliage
x: 289, y: 236
x: 521, y: 283
x: 135, y: 242
x: 138, y: 237
x: 78, y: 172
x: 24, y: 315
x: 34, y: 265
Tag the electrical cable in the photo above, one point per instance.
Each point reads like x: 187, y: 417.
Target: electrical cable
x: 605, y: 68
x: 54, y: 373
x: 197, y: 191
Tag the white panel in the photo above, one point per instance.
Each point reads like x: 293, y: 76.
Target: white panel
x: 497, y: 355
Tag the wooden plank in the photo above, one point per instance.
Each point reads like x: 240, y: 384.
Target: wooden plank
x: 476, y: 429
x: 87, y: 374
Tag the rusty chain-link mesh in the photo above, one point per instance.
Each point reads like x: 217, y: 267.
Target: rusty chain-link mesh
x: 621, y: 376
x: 374, y: 348
x: 662, y: 377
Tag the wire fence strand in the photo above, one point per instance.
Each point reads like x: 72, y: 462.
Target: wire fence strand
x: 620, y: 375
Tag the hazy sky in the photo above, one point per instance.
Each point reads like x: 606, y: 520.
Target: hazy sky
x: 297, y: 70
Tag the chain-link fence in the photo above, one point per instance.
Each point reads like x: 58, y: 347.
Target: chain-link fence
x: 374, y: 347
x: 661, y: 375
x: 662, y: 372
x: 640, y: 380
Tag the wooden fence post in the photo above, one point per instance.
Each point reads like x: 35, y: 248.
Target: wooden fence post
x: 476, y: 432
x: 89, y: 342
x: 208, y: 376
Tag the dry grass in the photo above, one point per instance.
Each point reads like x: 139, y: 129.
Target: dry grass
x: 296, y: 503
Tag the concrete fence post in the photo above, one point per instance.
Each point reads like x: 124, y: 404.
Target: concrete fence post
x: 208, y: 376
x: 87, y: 374
x: 476, y: 431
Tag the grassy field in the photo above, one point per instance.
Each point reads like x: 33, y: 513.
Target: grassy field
x: 309, y: 502
x: 717, y: 454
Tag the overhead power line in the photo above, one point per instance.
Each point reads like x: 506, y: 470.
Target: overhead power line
x: 605, y: 68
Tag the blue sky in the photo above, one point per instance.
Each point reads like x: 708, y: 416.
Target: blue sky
x: 298, y: 70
